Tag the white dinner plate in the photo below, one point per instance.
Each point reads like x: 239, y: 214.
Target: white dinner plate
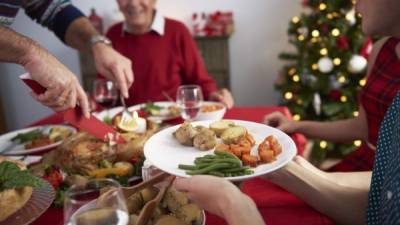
x: 166, y: 153
x: 7, y: 147
x: 163, y: 117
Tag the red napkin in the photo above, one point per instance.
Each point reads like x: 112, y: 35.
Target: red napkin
x: 75, y: 117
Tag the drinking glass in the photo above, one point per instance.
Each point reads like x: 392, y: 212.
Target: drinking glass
x: 98, y: 202
x: 105, y: 93
x: 189, y: 99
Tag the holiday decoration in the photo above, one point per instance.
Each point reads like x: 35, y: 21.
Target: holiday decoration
x: 357, y: 64
x: 213, y: 24
x: 321, y: 79
x: 325, y: 65
x: 317, y: 103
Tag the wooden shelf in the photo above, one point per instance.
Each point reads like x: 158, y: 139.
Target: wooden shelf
x: 215, y: 53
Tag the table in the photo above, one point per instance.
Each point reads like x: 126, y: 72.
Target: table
x: 277, y: 206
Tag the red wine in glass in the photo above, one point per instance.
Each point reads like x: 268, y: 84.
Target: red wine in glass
x: 106, y: 101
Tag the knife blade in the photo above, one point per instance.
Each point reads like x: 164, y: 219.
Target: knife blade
x: 76, y: 118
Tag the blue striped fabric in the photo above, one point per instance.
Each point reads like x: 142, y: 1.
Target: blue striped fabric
x: 57, y: 15
x: 384, y: 196
x: 42, y: 11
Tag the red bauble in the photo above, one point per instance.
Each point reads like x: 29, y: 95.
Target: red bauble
x: 325, y: 28
x: 305, y: 3
x: 335, y: 95
x: 342, y: 43
x: 365, y: 50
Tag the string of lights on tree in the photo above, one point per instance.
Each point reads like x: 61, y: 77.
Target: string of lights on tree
x: 323, y: 76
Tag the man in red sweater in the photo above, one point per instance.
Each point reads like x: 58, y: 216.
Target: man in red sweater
x: 163, y: 53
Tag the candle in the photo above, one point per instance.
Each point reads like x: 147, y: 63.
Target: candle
x: 141, y: 124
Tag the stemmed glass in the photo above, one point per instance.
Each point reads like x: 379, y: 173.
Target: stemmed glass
x: 98, y: 202
x: 105, y: 93
x: 189, y: 99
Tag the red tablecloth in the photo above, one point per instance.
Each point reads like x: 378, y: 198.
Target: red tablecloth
x: 277, y: 206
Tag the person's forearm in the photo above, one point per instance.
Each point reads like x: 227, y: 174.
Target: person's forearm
x: 346, y: 205
x: 79, y: 33
x: 242, y: 211
x: 336, y: 131
x: 16, y: 48
x: 359, y: 180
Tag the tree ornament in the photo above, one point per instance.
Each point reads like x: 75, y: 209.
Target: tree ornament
x: 366, y: 49
x: 342, y: 43
x: 317, y: 103
x: 325, y: 65
x: 335, y: 95
x: 303, y: 31
x: 305, y: 3
x: 334, y: 83
x: 351, y: 17
x: 357, y: 64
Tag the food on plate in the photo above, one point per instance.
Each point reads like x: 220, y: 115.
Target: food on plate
x: 211, y: 108
x: 269, y: 149
x: 175, y: 208
x: 40, y: 137
x: 204, y: 139
x: 221, y: 164
x: 152, y: 109
x: 16, y: 186
x: 82, y: 152
x: 185, y: 134
x: 233, y: 134
x: 220, y: 126
x: 200, y: 137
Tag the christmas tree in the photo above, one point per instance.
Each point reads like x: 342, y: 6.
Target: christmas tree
x: 322, y: 78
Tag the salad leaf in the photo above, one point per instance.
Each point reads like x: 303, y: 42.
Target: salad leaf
x: 28, y: 136
x: 11, y: 176
x: 107, y: 120
x: 151, y: 108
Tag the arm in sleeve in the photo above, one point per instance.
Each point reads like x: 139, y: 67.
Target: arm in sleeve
x: 57, y: 15
x: 194, y: 68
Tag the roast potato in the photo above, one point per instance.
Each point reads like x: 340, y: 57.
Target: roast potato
x: 232, y: 135
x: 220, y: 126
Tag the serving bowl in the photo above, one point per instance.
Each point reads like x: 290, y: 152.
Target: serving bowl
x: 211, y: 111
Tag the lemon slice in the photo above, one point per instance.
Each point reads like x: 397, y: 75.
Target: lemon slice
x: 128, y: 126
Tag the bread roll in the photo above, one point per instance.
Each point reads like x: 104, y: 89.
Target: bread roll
x: 11, y: 200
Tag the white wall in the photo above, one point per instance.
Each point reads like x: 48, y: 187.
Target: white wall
x: 260, y: 36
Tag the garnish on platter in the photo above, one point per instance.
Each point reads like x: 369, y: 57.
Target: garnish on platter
x: 153, y: 109
x: 41, y: 137
x: 16, y: 186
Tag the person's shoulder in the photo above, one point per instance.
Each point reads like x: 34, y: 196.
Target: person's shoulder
x: 376, y: 49
x: 175, y: 26
x: 114, y: 29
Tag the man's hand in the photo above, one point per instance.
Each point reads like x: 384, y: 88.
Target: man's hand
x: 63, y: 88
x: 224, y: 96
x: 113, y: 66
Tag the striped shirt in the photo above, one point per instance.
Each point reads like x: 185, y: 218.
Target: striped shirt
x: 53, y: 14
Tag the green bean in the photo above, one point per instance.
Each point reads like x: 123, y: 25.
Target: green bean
x: 207, y: 169
x: 225, y: 154
x: 237, y: 169
x: 216, y: 173
x: 187, y: 167
x: 248, y: 172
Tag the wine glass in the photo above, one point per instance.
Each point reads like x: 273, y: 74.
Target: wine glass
x: 98, y: 202
x: 105, y: 93
x: 189, y: 99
